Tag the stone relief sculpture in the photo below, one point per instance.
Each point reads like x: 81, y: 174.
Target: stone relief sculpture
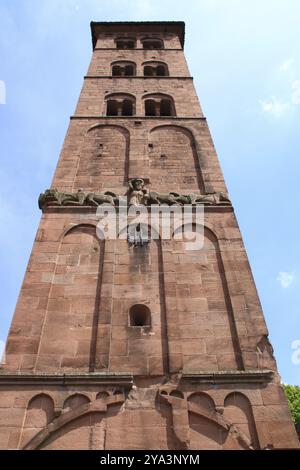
x: 53, y: 197
x: 210, y: 198
x: 137, y: 195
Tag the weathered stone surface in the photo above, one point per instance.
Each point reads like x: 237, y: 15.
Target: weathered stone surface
x: 117, y: 346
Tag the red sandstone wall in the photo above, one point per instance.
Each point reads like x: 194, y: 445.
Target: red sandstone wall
x: 210, y: 297
x: 72, y: 314
x: 148, y: 418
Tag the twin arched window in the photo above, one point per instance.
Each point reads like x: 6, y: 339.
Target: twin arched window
x: 159, y: 104
x: 130, y: 43
x: 152, y: 43
x: 126, y: 68
x: 120, y: 104
x: 155, y: 69
x: 123, y: 104
x: 125, y: 43
x: 123, y: 68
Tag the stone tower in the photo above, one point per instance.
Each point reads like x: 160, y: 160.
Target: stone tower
x: 139, y: 342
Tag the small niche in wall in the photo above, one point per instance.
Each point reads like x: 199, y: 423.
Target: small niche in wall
x: 139, y: 315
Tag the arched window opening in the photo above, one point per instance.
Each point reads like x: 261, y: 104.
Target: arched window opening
x: 152, y: 44
x: 129, y: 70
x: 161, y: 71
x: 123, y: 69
x: 165, y: 108
x: 127, y: 108
x: 125, y: 43
x: 155, y: 69
x: 148, y: 71
x: 116, y: 70
x: 112, y: 108
x: 150, y: 108
x: 120, y: 105
x: 159, y: 106
x: 139, y: 315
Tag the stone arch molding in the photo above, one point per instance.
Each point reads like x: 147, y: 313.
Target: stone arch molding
x: 75, y: 401
x: 99, y: 405
x: 241, y: 405
x: 81, y: 255
x: 169, y: 142
x: 205, y: 235
x: 202, y: 405
x: 182, y: 404
x: 115, y: 126
x: 75, y: 226
x: 205, y: 230
x: 101, y: 144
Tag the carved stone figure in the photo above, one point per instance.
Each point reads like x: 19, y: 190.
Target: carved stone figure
x: 54, y: 197
x: 209, y: 198
x: 181, y: 199
x: 137, y: 194
x: 108, y: 197
x: 169, y: 199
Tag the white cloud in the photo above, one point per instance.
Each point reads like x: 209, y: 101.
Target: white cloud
x: 286, y: 65
x: 278, y: 106
x: 2, y: 92
x: 274, y: 106
x: 2, y: 347
x: 285, y: 279
x: 296, y: 92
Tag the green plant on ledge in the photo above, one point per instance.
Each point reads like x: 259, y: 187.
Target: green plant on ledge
x: 293, y: 395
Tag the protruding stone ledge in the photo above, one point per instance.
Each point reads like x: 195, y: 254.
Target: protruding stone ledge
x: 121, y: 379
x: 130, y: 77
x: 221, y: 377
x: 93, y: 210
x: 145, y: 118
x: 136, y: 49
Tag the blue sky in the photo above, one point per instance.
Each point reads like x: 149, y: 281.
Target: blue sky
x: 244, y: 56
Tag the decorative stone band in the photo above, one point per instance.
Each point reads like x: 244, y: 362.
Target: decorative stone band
x: 136, y: 195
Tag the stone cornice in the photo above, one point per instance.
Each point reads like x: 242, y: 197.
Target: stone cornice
x: 66, y: 379
x: 137, y: 49
x: 93, y: 210
x: 126, y: 380
x: 240, y: 376
x: 119, y: 27
x: 155, y: 118
x: 130, y: 77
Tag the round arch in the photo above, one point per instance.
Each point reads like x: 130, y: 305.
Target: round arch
x: 105, y: 126
x: 154, y: 94
x: 120, y: 130
x: 194, y: 154
x: 73, y: 227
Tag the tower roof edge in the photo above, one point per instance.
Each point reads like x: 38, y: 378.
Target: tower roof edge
x: 126, y: 26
